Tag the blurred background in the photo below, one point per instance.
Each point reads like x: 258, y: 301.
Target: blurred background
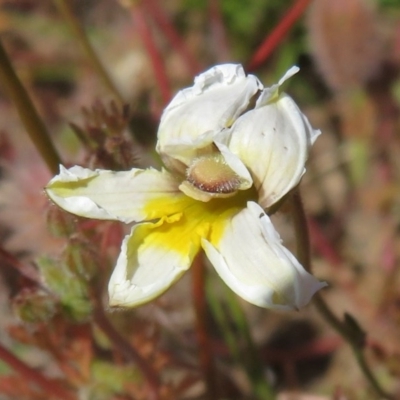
x: 99, y: 73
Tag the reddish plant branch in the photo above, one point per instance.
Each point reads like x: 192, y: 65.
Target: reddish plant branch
x: 52, y: 388
x: 139, y: 19
x: 201, y: 311
x: 156, y: 11
x: 25, y: 270
x: 276, y: 36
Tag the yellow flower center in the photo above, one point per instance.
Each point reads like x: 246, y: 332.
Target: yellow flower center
x: 187, y: 220
x: 211, y: 174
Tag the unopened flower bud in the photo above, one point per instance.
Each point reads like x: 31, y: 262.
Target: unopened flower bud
x: 70, y: 289
x: 34, y: 305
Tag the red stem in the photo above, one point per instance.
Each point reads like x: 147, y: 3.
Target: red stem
x: 276, y: 36
x: 204, y: 341
x: 156, y: 11
x: 50, y: 387
x: 139, y: 19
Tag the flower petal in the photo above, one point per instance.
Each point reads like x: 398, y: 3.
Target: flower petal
x: 248, y: 255
x: 216, y: 99
x: 127, y: 196
x: 273, y: 141
x: 272, y: 93
x: 153, y: 257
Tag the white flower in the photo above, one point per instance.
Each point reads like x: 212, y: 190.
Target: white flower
x: 233, y: 149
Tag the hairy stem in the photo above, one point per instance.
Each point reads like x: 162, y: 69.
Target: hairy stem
x: 30, y: 118
x: 344, y: 329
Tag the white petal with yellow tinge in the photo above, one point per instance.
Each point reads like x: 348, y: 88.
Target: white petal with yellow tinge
x: 250, y: 258
x: 152, y: 258
x: 112, y: 195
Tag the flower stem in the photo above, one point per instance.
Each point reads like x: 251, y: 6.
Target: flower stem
x: 204, y: 341
x: 66, y: 11
x: 27, y: 112
x: 50, y: 387
x: 348, y: 332
x: 272, y: 41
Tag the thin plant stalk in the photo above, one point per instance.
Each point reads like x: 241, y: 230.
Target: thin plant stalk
x: 223, y: 319
x: 64, y: 7
x: 28, y: 374
x: 30, y: 118
x: 273, y: 40
x: 261, y: 388
x: 345, y: 330
x: 207, y: 363
x: 156, y: 11
x: 139, y: 19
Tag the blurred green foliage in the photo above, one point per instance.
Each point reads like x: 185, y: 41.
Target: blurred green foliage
x: 110, y: 379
